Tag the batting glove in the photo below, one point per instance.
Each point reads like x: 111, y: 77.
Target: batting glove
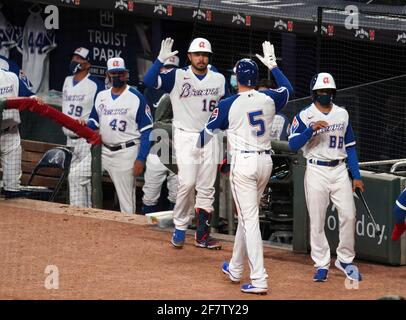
x: 269, y: 58
x: 166, y: 50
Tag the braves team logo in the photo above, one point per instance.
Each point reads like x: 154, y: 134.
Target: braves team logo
x: 57, y: 158
x: 116, y: 63
x: 214, y: 115
x: 295, y: 124
x: 148, y: 112
x: 189, y: 91
x: 326, y: 80
x: 5, y: 90
x: 201, y: 44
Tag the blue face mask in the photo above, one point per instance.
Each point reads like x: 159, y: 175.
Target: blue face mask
x: 118, y: 81
x: 233, y: 81
x: 324, y: 100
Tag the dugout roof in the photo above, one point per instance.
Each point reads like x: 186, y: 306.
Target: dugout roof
x: 377, y: 22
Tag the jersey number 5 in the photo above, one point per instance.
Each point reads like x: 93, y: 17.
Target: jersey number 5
x: 255, y: 119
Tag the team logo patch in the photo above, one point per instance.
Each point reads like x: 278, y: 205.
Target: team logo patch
x: 116, y: 64
x: 148, y: 112
x: 295, y: 124
x: 214, y: 115
x: 201, y: 44
x: 326, y: 80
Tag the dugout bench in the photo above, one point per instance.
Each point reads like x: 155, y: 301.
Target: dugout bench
x: 32, y: 152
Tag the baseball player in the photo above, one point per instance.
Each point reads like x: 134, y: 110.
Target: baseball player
x: 195, y: 91
x: 10, y: 143
x: 156, y: 173
x: 399, y: 210
x: 10, y: 65
x: 323, y: 131
x: 124, y: 121
x: 79, y: 93
x: 247, y: 117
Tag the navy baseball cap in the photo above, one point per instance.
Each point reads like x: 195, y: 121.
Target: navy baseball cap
x: 81, y: 52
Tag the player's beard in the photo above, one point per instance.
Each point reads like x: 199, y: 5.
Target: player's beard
x: 200, y: 66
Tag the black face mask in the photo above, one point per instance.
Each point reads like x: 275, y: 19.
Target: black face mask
x: 75, y: 67
x: 117, y: 81
x: 324, y: 100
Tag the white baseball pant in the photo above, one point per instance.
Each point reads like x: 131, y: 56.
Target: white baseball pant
x: 80, y: 187
x: 195, y: 172
x: 249, y: 176
x: 154, y: 176
x: 321, y: 184
x: 119, y: 165
x: 10, y: 154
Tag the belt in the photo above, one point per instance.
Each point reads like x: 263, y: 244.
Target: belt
x: 331, y: 163
x: 121, y: 146
x: 7, y: 130
x: 258, y: 152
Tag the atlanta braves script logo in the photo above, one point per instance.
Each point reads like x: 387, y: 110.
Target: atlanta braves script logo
x: 331, y: 128
x: 5, y: 90
x: 73, y: 97
x: 189, y: 91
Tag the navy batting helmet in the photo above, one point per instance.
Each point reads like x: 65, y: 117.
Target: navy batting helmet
x: 247, y: 72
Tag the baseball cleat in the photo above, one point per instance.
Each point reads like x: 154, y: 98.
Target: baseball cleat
x: 208, y: 243
x: 249, y: 288
x: 225, y: 269
x: 349, y: 269
x: 320, y: 275
x: 178, y: 238
x: 398, y: 231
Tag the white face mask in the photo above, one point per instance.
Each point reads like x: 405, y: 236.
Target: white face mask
x: 233, y: 81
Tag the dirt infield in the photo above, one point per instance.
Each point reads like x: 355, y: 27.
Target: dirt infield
x: 127, y: 259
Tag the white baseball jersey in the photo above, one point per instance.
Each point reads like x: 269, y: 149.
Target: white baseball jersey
x: 192, y: 99
x: 247, y: 117
x: 120, y: 118
x: 78, y: 97
x: 11, y: 86
x: 7, y: 40
x: 327, y: 143
x: 35, y: 45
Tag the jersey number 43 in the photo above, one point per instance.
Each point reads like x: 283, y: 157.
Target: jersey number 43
x: 118, y: 125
